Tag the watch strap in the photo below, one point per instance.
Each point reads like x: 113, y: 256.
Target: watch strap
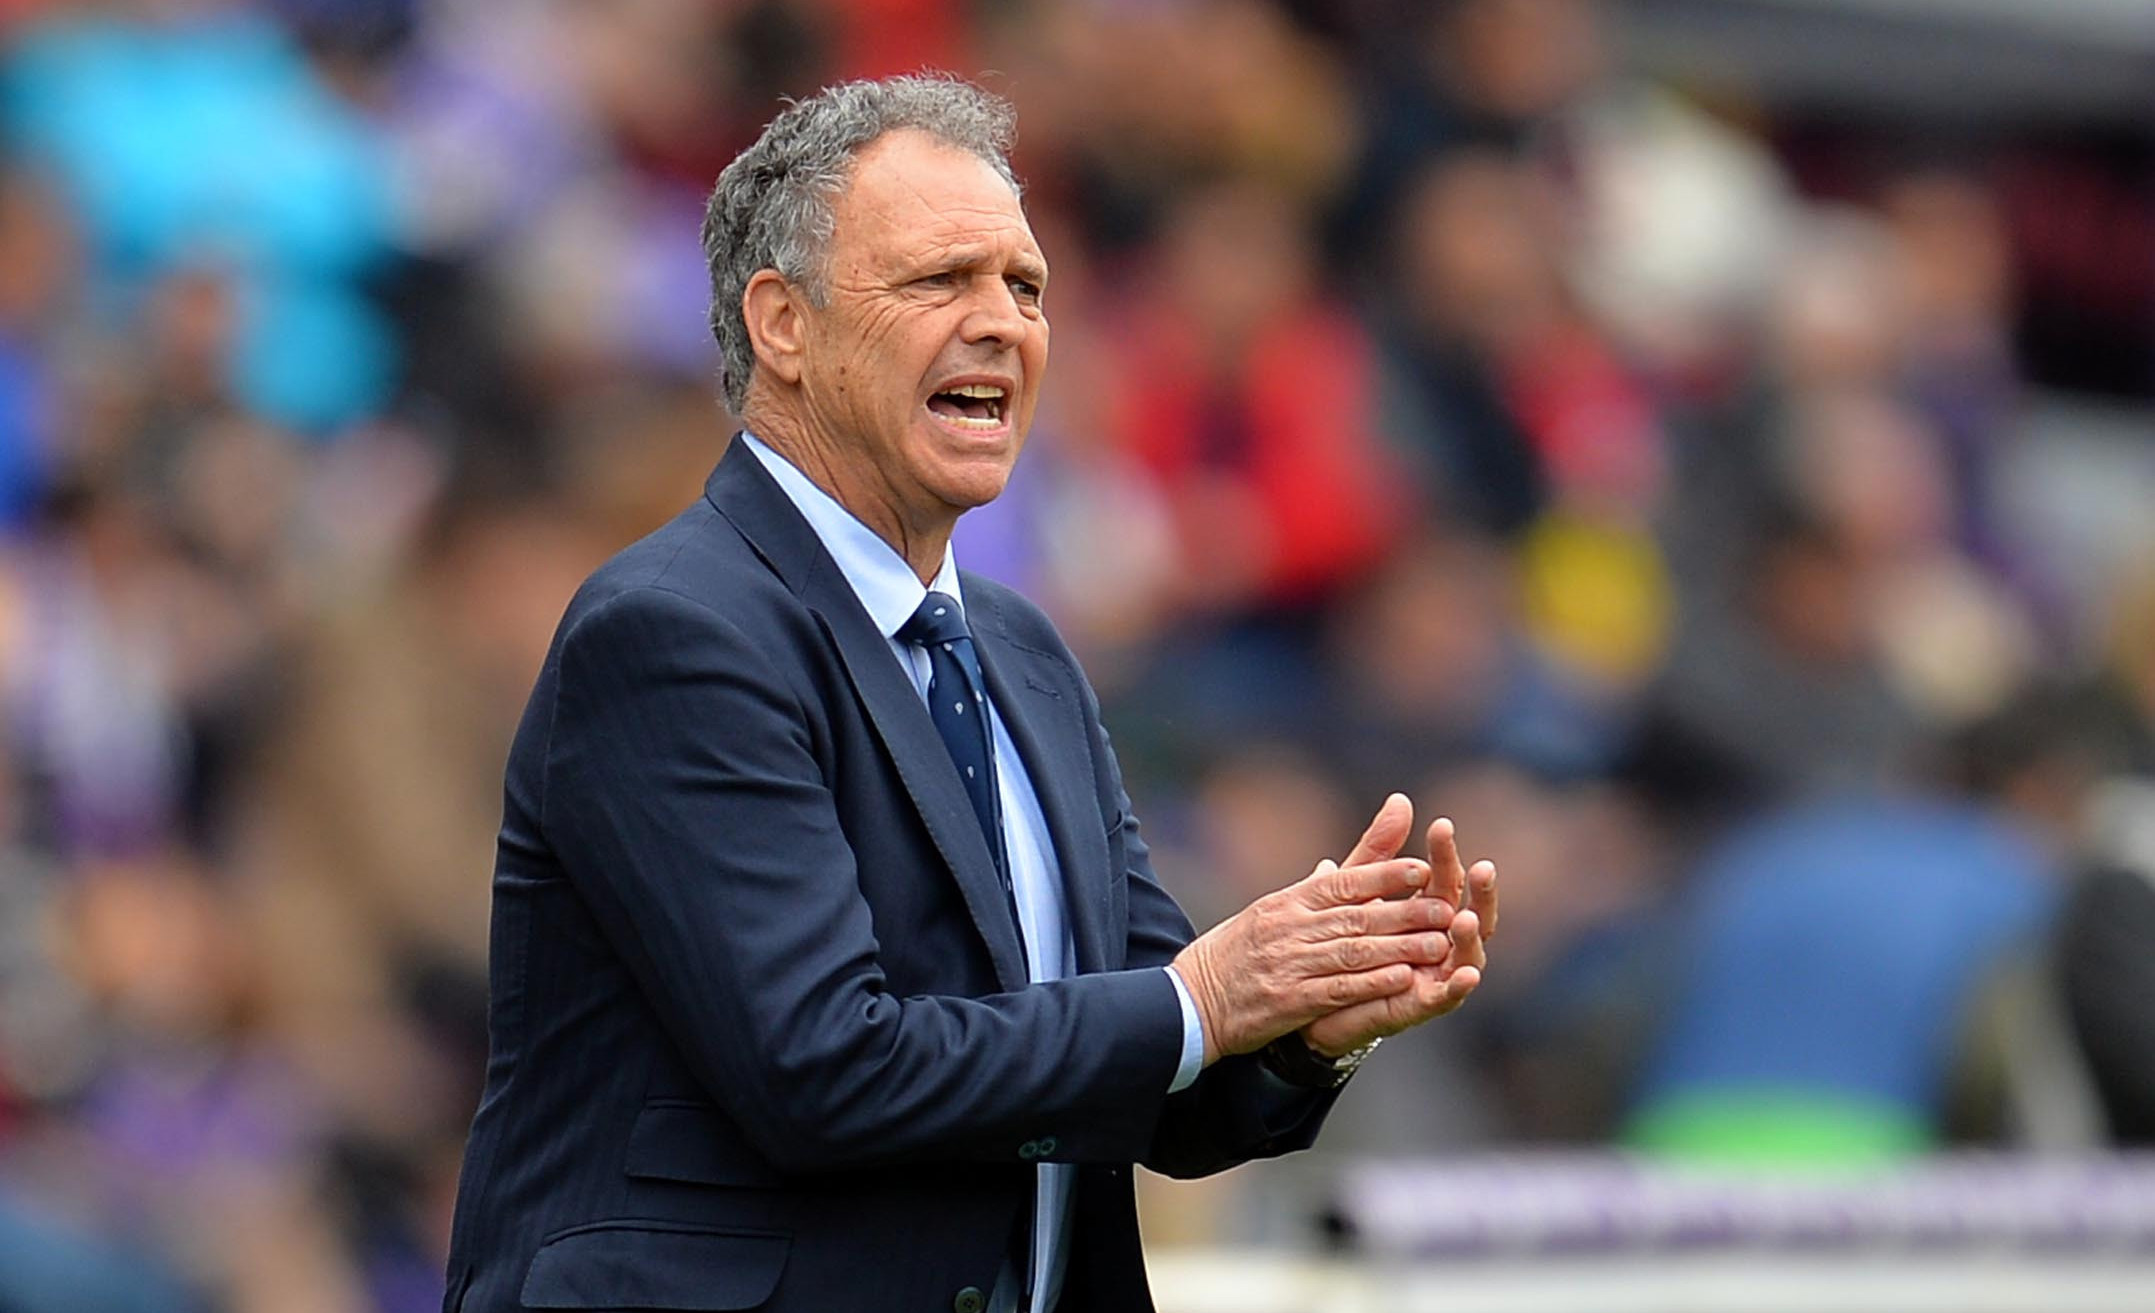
x: 1296, y: 1063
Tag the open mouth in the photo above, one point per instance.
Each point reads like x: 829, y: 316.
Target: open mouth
x: 977, y: 407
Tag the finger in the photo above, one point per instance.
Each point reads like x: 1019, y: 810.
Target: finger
x: 1387, y: 832
x: 1351, y: 1027
x: 1360, y: 954
x: 1438, y: 995
x: 1337, y: 886
x: 1482, y: 896
x: 1466, y: 937
x: 1451, y: 877
x: 1397, y: 917
x: 1456, y: 989
x: 1328, y: 994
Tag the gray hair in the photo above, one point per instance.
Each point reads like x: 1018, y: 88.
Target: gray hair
x: 772, y: 206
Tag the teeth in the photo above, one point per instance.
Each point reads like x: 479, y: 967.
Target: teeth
x: 992, y: 394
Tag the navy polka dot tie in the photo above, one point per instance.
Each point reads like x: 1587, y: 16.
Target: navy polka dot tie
x: 958, y: 704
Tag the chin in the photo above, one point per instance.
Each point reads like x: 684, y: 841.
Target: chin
x: 975, y: 475
x: 975, y: 488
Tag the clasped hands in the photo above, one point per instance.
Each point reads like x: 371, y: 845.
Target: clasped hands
x: 1354, y: 951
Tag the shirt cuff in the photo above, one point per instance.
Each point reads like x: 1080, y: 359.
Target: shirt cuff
x: 1193, y: 1036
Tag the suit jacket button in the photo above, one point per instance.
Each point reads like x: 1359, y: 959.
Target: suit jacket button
x: 969, y: 1300
x: 1045, y: 1145
x: 1029, y: 1150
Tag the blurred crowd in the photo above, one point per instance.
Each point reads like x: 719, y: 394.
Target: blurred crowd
x: 1437, y: 404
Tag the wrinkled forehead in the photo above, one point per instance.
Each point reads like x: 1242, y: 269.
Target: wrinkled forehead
x: 912, y: 190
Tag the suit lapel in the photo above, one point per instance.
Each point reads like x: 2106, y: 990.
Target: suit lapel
x: 1037, y: 701
x: 744, y: 492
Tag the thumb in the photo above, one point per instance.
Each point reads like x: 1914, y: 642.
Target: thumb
x: 1387, y: 832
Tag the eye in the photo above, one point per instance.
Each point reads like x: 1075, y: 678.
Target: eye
x: 1025, y: 290
x: 940, y: 278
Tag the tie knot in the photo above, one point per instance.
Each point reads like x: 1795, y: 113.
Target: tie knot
x: 937, y: 621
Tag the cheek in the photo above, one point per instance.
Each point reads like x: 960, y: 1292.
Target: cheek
x: 905, y: 355
x: 875, y: 348
x: 1034, y: 352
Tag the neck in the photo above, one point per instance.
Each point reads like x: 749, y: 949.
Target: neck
x: 920, y: 540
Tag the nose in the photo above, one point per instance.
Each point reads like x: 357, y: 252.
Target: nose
x: 995, y: 317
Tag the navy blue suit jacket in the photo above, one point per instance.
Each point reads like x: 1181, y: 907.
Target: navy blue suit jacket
x: 761, y: 1030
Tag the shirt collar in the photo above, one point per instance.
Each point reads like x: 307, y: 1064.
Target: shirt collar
x: 880, y: 578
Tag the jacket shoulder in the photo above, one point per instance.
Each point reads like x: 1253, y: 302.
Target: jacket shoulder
x: 697, y: 556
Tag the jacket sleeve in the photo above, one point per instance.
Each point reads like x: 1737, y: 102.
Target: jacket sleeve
x: 1236, y: 1110
x: 684, y: 799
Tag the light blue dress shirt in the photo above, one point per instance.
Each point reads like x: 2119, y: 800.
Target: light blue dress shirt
x: 890, y: 592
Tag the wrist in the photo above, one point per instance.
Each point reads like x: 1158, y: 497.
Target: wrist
x: 1292, y: 1059
x: 1185, y: 970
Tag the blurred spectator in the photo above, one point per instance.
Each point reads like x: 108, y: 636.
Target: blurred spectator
x: 203, y: 137
x: 36, y: 255
x: 361, y: 825
x: 377, y: 798
x: 1253, y: 407
x: 51, y: 1267
x: 2103, y: 965
x: 94, y: 718
x: 1955, y: 292
x: 1835, y: 952
x: 1463, y: 74
x: 1777, y: 687
x: 1681, y: 222
x: 1476, y: 276
x: 1430, y: 668
x: 1249, y: 397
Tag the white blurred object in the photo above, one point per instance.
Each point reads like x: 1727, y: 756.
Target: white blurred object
x: 1231, y: 1281
x: 1954, y: 644
x: 1685, y: 220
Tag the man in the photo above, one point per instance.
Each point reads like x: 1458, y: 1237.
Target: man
x: 829, y: 970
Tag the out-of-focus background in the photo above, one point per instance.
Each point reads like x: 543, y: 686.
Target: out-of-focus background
x: 1707, y: 447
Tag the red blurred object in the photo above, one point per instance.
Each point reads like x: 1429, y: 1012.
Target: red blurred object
x: 1289, y: 426
x: 1592, y: 425
x: 879, y: 38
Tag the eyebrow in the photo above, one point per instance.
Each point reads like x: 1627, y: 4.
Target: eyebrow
x: 1030, y: 267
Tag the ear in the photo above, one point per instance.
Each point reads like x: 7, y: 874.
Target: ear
x: 772, y: 309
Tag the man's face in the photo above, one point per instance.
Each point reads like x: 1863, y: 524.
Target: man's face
x: 923, y: 368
